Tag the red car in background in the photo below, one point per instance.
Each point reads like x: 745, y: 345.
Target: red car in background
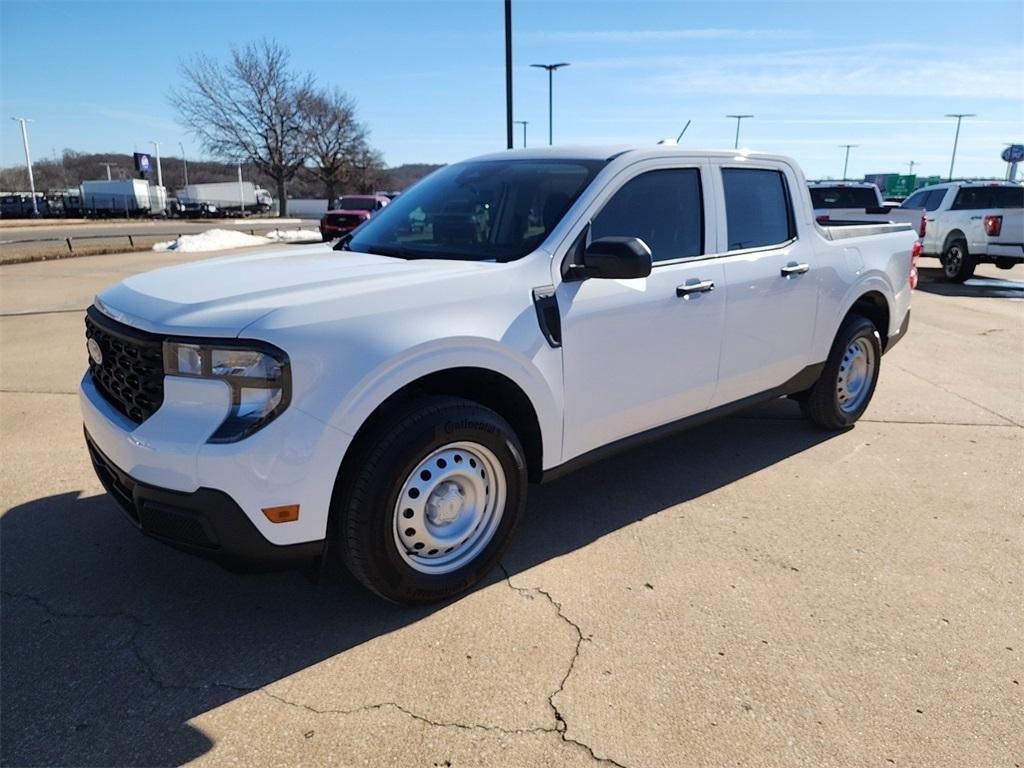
x: 351, y: 211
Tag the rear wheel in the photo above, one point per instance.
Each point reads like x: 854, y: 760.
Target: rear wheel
x: 433, y: 499
x: 847, y: 383
x: 957, y: 262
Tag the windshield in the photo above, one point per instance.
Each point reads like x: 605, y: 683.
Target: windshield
x: 844, y: 197
x: 494, y: 210
x: 357, y: 204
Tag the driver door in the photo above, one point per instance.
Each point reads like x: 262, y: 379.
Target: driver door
x: 644, y: 352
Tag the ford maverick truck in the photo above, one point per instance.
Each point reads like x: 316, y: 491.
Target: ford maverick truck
x: 388, y: 401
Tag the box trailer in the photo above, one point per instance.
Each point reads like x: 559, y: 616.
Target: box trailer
x: 123, y: 197
x: 224, y: 198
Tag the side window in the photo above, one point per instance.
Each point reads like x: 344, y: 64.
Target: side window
x: 757, y: 208
x: 916, y: 200
x: 663, y: 208
x: 935, y: 198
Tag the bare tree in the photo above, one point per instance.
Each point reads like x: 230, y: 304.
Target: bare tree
x: 335, y: 139
x: 248, y: 110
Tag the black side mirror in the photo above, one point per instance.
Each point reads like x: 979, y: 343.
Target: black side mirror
x: 620, y: 258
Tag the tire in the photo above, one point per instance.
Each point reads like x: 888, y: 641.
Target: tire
x: 403, y: 522
x: 957, y: 263
x: 837, y: 400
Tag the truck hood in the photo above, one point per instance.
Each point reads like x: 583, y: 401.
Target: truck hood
x: 220, y: 297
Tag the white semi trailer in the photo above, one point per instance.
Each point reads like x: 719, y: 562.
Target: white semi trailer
x: 123, y: 197
x: 225, y: 198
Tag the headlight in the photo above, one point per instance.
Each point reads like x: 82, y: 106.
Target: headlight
x: 258, y: 373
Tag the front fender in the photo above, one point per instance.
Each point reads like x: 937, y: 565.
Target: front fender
x: 457, y: 352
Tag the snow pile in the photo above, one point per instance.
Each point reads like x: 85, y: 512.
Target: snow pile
x: 294, y: 236
x: 224, y: 239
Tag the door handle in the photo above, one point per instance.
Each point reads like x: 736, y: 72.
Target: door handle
x: 794, y: 269
x: 701, y: 286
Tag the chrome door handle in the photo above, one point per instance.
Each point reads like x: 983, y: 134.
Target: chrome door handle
x: 795, y: 269
x: 703, y: 286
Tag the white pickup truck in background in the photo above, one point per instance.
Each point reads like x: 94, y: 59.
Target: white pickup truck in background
x: 971, y: 222
x: 388, y: 401
x: 859, y: 202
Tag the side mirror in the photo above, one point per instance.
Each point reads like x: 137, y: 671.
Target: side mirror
x: 620, y: 258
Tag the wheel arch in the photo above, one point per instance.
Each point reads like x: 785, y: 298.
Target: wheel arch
x: 487, y: 387
x: 951, y: 237
x: 875, y: 307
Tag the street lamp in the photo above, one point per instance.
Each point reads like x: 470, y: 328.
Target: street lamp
x: 159, y: 172
x: 28, y: 162
x: 912, y: 163
x: 738, y: 118
x: 184, y: 161
x: 959, y: 116
x: 551, y: 69
x: 108, y: 166
x: 522, y: 123
x: 846, y: 162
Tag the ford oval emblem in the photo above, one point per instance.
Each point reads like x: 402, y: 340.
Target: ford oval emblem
x: 95, y: 353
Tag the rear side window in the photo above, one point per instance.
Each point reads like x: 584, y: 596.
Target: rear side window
x: 916, y: 200
x: 979, y: 198
x: 663, y: 208
x: 935, y: 198
x: 758, y: 212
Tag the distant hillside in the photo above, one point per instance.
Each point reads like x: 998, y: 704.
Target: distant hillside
x: 76, y: 167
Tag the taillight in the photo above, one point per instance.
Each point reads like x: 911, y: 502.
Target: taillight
x: 923, y: 228
x: 993, y: 225
x: 915, y: 254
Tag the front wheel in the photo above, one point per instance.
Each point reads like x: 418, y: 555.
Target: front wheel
x: 847, y: 383
x: 433, y: 499
x: 957, y: 262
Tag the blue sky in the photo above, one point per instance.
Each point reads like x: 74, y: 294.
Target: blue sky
x: 429, y: 76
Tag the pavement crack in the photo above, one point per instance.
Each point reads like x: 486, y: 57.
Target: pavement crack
x: 957, y: 394
x: 561, y: 724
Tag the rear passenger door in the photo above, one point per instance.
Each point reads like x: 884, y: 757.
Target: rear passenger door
x: 771, y: 280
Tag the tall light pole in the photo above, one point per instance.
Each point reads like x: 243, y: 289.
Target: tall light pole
x: 959, y: 116
x: 108, y: 166
x: 28, y: 162
x: 738, y: 119
x: 912, y: 163
x: 184, y: 161
x: 508, y: 74
x: 846, y: 162
x: 522, y: 123
x: 159, y: 171
x: 551, y: 69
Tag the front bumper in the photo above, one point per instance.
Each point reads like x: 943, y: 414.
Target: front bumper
x: 293, y: 460
x: 205, y: 522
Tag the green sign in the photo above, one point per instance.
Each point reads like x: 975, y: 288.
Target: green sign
x: 901, y: 186
x: 932, y: 180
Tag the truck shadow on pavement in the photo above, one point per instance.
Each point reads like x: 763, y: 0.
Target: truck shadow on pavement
x: 980, y: 286
x: 112, y: 642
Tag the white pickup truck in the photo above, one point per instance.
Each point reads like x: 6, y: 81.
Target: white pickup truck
x: 971, y: 222
x: 387, y: 402
x: 844, y: 203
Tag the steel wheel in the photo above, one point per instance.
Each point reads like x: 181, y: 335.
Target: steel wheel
x: 449, y: 507
x: 856, y: 372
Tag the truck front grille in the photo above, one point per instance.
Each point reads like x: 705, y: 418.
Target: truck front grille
x: 131, y: 373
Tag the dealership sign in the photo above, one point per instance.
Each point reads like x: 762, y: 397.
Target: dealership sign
x: 142, y: 162
x: 1013, y: 153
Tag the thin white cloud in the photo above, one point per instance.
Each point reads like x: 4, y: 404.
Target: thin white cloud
x: 663, y: 35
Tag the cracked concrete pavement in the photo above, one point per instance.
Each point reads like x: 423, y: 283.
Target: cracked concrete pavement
x: 753, y: 592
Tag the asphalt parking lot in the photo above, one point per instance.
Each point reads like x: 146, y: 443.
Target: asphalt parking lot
x: 753, y: 592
